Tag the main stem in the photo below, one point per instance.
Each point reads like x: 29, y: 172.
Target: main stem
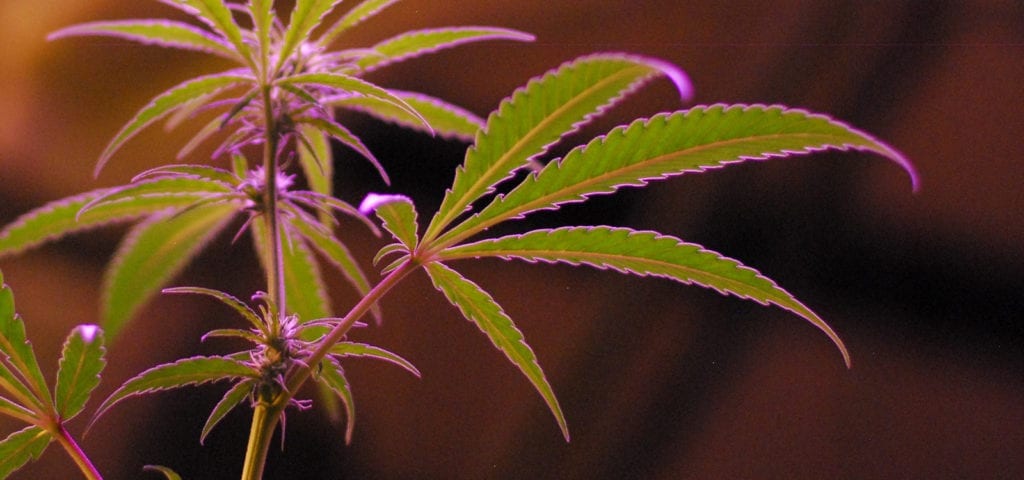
x: 265, y: 414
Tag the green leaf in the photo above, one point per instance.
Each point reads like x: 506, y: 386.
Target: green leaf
x: 154, y: 252
x: 15, y: 346
x: 239, y: 306
x: 352, y: 349
x: 184, y: 372
x: 353, y: 17
x: 446, y: 120
x: 192, y: 188
x: 16, y: 389
x: 690, y: 141
x: 262, y: 12
x: 316, y: 160
x: 59, y: 218
x: 217, y: 15
x: 346, y: 137
x: 164, y: 33
x: 80, y: 365
x: 203, y: 172
x: 332, y: 375
x: 478, y: 307
x: 350, y: 84
x: 398, y: 214
x: 167, y: 102
x: 537, y: 116
x: 167, y: 472
x: 17, y: 411
x: 644, y: 253
x: 306, y: 15
x: 304, y: 286
x: 20, y: 447
x: 339, y: 255
x: 231, y: 399
x: 420, y: 42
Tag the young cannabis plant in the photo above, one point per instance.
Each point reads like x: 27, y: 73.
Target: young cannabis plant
x: 282, y: 95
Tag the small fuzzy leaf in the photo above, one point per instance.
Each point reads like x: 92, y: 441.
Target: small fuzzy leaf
x: 15, y: 346
x: 398, y: 214
x: 231, y: 399
x: 339, y: 255
x: 167, y: 472
x: 239, y: 306
x: 80, y: 365
x: 646, y: 254
x: 689, y: 141
x: 152, y: 253
x: 304, y: 286
x: 167, y: 102
x: 420, y: 42
x: 59, y: 218
x: 164, y: 33
x: 316, y: 160
x: 447, y: 120
x: 20, y: 447
x: 332, y: 375
x: 185, y: 372
x: 478, y: 307
x: 350, y: 84
x: 306, y: 15
x: 353, y: 17
x: 537, y: 116
x: 352, y: 349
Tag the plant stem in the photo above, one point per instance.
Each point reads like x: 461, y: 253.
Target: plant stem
x: 75, y: 452
x: 275, y: 264
x: 301, y: 374
x: 264, y: 421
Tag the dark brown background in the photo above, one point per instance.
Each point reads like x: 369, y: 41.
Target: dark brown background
x: 657, y: 380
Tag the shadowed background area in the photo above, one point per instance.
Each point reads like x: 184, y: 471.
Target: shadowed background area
x: 657, y: 380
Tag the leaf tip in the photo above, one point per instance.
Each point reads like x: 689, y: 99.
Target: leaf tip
x: 373, y: 201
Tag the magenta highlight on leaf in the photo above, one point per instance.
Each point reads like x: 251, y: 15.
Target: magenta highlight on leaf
x: 373, y: 201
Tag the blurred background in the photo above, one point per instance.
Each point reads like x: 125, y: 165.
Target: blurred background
x: 657, y: 380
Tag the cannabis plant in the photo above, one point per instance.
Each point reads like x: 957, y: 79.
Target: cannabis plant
x: 276, y: 124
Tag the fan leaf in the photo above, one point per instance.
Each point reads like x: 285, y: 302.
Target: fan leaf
x: 167, y: 102
x: 80, y: 365
x: 352, y: 349
x: 644, y: 253
x: 231, y: 399
x: 239, y: 306
x: 333, y: 376
x: 163, y: 33
x: 14, y: 345
x: 446, y: 120
x: 353, y: 17
x: 59, y: 218
x: 316, y: 159
x: 478, y: 307
x: 217, y: 15
x: 20, y: 447
x: 421, y: 42
x: 306, y: 15
x: 349, y: 84
x: 398, y: 214
x: 666, y: 145
x: 153, y: 253
x: 346, y: 137
x: 166, y: 472
x: 184, y: 372
x: 537, y: 116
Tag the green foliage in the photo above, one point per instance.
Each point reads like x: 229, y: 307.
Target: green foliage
x: 281, y: 95
x: 167, y: 472
x: 25, y: 396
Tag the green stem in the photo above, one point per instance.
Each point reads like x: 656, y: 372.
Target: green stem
x: 75, y: 452
x: 264, y: 421
x: 301, y: 374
